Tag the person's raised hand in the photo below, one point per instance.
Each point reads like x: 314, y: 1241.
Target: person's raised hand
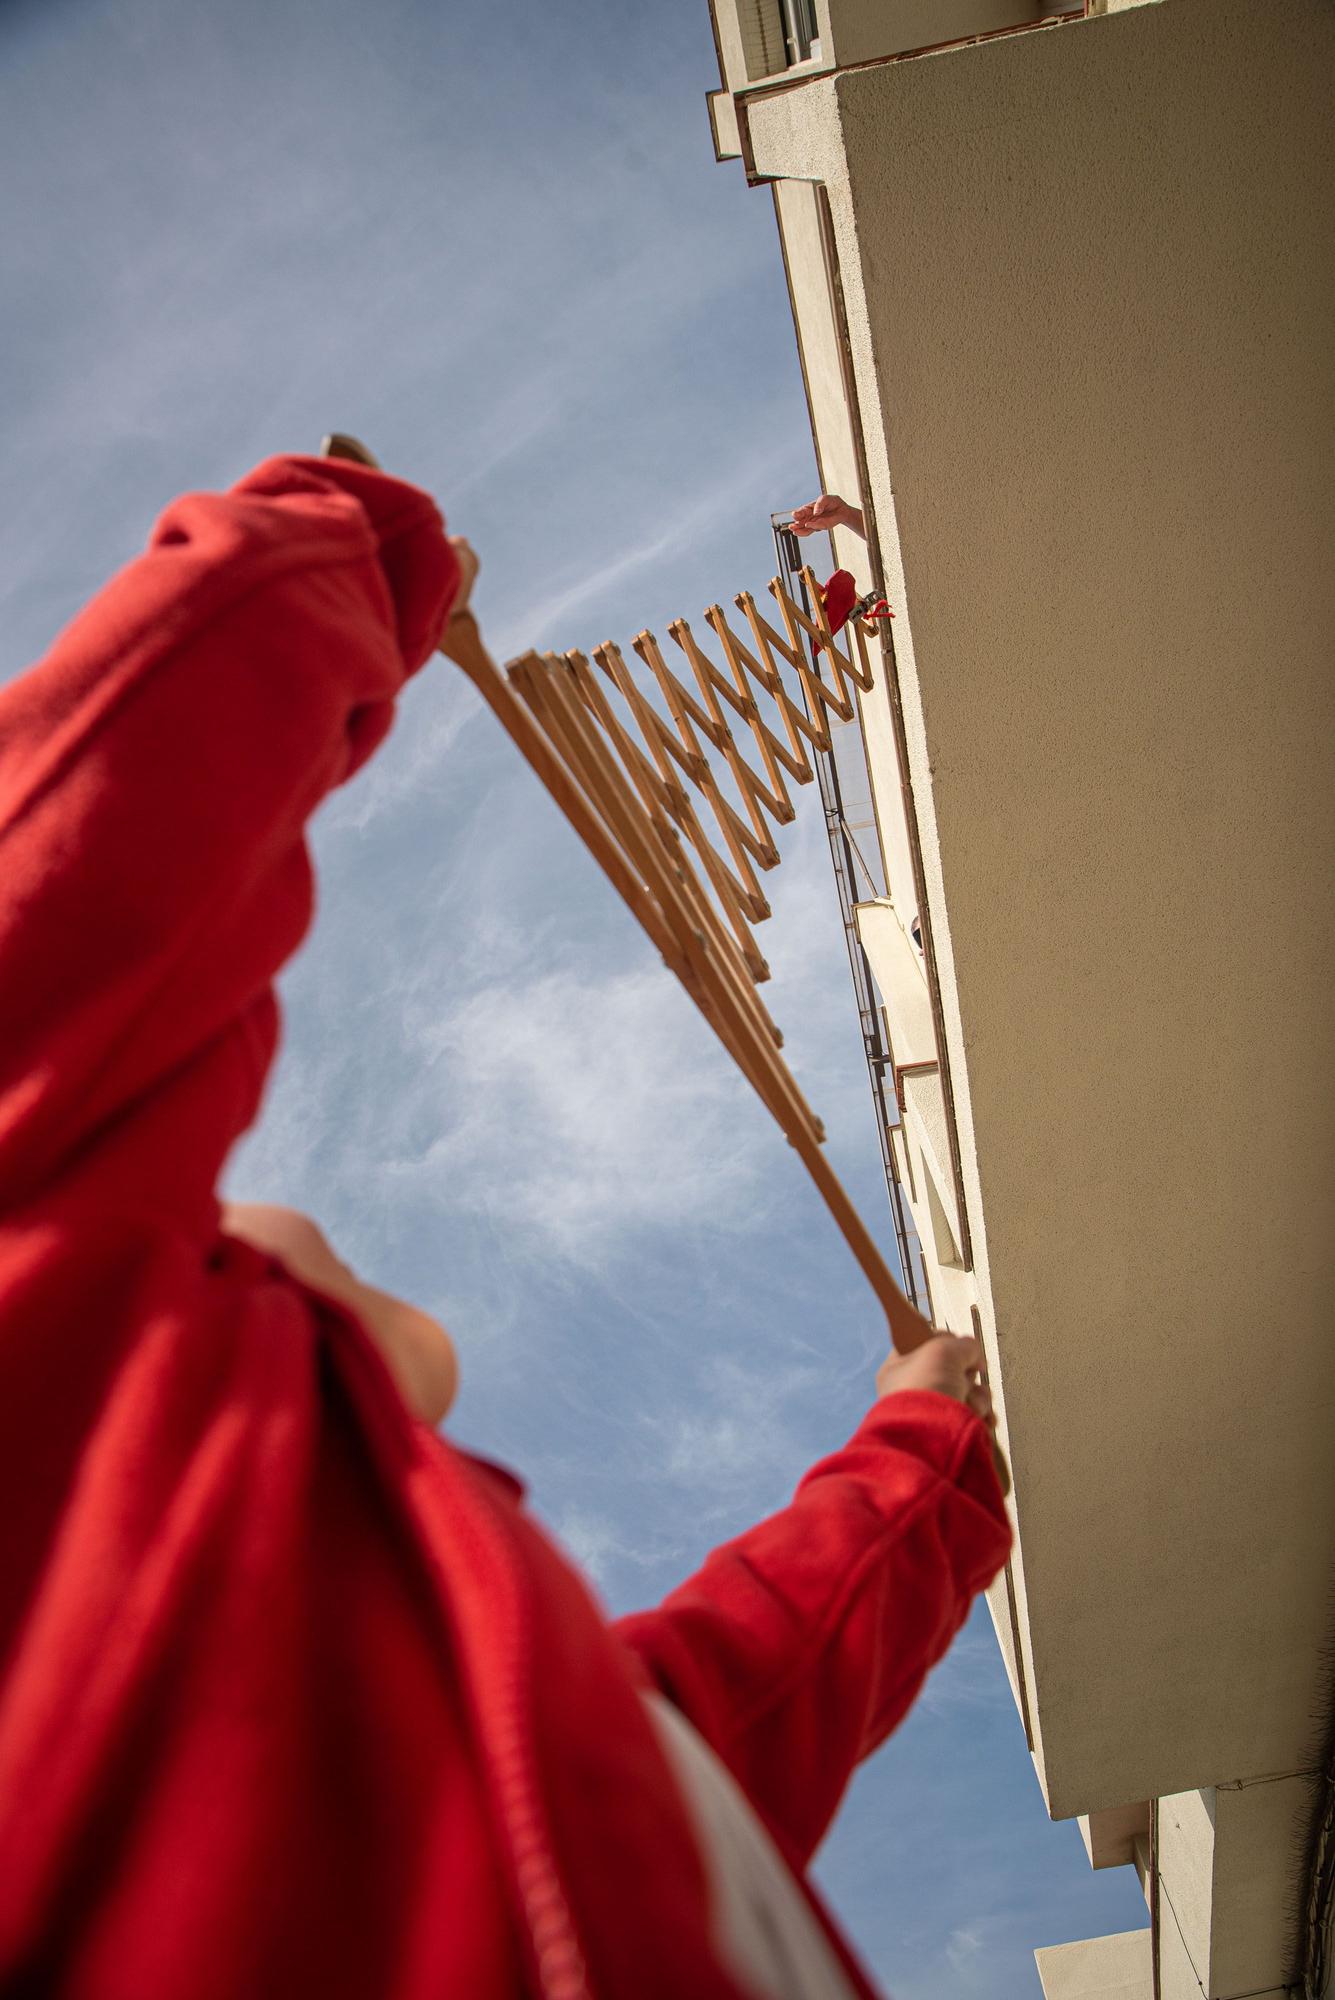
x: 949, y: 1363
x: 466, y: 557
x: 830, y: 511
x: 340, y: 444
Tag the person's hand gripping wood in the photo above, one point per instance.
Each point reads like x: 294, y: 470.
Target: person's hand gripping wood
x: 952, y: 1365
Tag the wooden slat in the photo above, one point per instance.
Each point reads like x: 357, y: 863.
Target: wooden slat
x: 768, y: 643
x: 818, y: 693
x: 663, y: 745
x: 818, y: 625
x: 670, y: 798
x: 715, y: 975
x: 862, y: 672
x: 761, y: 798
x: 535, y: 746
x: 652, y: 847
x: 743, y: 664
x: 740, y: 899
x: 758, y: 842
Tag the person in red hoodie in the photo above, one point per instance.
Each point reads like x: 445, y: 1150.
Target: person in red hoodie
x: 295, y: 1697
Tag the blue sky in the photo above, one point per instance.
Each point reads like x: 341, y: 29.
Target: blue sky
x: 492, y: 240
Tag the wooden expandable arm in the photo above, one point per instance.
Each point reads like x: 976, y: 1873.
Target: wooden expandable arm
x: 544, y: 706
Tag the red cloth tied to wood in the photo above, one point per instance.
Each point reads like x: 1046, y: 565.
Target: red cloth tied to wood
x: 841, y: 601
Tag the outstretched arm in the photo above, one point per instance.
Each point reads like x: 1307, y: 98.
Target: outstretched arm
x: 157, y: 770
x: 819, y: 516
x: 798, y: 1647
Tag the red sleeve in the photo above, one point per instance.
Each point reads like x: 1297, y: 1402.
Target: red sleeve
x: 799, y: 1646
x: 156, y: 773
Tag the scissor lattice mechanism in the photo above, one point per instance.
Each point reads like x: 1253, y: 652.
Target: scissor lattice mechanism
x: 633, y: 776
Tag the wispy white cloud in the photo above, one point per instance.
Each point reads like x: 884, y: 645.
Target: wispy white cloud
x: 672, y: 521
x: 736, y: 1428
x: 597, y: 1543
x: 433, y: 718
x: 964, y: 1949
x: 589, y: 1111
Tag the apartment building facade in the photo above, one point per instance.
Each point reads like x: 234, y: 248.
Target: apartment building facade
x: 1062, y: 289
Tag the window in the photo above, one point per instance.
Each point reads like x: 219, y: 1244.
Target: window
x: 943, y: 1236
x: 801, y: 32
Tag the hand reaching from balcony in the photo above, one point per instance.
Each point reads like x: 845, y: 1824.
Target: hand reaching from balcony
x: 830, y: 511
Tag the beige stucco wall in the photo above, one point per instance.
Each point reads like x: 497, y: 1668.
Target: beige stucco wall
x: 799, y: 233
x: 1105, y: 1968
x: 1090, y: 314
x: 1231, y: 1866
x: 1110, y: 1836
